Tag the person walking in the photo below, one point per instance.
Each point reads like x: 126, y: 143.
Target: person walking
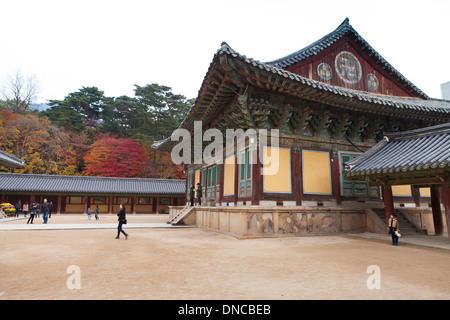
x: 32, y: 212
x: 89, y: 213
x: 18, y: 206
x: 122, y: 220
x: 393, y: 227
x: 192, y: 194
x: 25, y: 209
x: 199, y: 193
x: 45, y: 210
x: 96, y: 212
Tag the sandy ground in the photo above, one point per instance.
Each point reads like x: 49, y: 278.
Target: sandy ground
x: 194, y: 263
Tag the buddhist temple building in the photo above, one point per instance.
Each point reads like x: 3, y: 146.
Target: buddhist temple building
x: 330, y: 102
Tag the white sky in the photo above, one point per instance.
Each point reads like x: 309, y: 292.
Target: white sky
x: 115, y: 44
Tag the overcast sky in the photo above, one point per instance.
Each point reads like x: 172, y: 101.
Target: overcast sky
x: 115, y: 44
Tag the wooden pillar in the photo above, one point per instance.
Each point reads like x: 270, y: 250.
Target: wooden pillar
x: 3, y: 196
x: 186, y: 194
x: 256, y: 177
x: 297, y: 177
x: 445, y: 190
x: 416, y: 196
x: 110, y: 204
x: 58, y: 205
x: 86, y: 202
x: 157, y: 204
x: 221, y: 181
x: 436, y: 208
x: 336, y: 180
x: 236, y: 178
x: 133, y: 204
x: 388, y: 202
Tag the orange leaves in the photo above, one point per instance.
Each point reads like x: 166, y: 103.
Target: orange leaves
x: 111, y: 156
x: 45, y: 148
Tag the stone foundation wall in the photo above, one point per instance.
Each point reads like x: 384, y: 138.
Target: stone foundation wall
x: 273, y: 221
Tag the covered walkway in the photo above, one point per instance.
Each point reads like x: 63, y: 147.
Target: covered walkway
x: 418, y: 157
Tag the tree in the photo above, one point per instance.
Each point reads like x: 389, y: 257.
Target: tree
x: 111, y: 156
x: 166, y: 109
x: 19, y: 92
x: 45, y: 148
x: 126, y: 118
x: 163, y: 166
x: 78, y: 111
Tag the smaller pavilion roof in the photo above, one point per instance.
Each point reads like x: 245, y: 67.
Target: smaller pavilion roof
x: 418, y: 155
x: 10, y: 161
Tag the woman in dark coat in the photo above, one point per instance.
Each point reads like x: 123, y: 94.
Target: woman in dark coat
x: 122, y: 220
x: 32, y: 212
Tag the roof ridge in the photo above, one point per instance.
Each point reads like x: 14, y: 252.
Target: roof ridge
x: 437, y: 129
x: 85, y: 177
x: 343, y: 27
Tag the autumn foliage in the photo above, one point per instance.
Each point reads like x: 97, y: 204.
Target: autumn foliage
x: 45, y: 148
x: 88, y: 133
x: 111, y: 156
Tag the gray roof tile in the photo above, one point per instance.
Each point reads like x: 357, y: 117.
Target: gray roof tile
x: 51, y: 183
x: 408, y: 151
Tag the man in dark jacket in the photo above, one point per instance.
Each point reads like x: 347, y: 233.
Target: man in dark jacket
x: 45, y: 210
x: 192, y: 194
x: 18, y: 207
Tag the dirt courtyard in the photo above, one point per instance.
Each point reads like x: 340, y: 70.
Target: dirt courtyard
x: 193, y: 263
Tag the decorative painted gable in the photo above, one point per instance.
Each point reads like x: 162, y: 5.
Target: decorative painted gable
x: 343, y: 58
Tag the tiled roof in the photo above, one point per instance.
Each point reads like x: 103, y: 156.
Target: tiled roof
x: 405, y: 152
x: 417, y: 105
x: 270, y: 76
x: 9, y: 161
x: 50, y: 183
x: 343, y: 29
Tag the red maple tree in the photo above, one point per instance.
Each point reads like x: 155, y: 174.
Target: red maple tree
x: 111, y: 156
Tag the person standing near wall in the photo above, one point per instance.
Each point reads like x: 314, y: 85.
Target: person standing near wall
x: 199, y: 193
x: 394, y: 227
x: 192, y: 194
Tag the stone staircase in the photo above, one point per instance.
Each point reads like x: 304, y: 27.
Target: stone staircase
x: 180, y: 215
x: 406, y: 227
